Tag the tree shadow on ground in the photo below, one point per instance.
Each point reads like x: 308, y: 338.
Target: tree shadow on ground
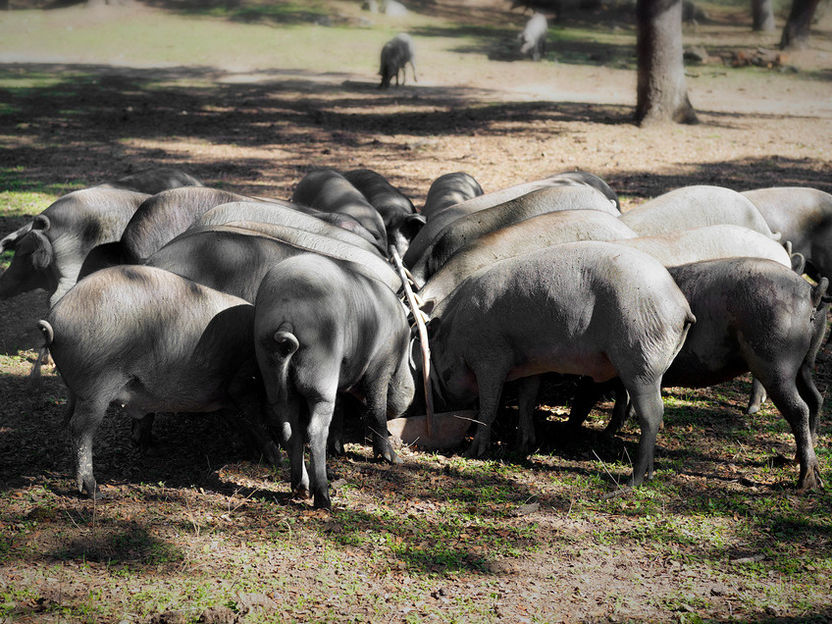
x: 92, y: 114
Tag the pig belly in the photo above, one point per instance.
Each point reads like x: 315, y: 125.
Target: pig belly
x: 595, y: 365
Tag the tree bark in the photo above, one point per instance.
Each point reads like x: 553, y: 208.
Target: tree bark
x: 662, y: 94
x: 796, y: 31
x: 762, y: 13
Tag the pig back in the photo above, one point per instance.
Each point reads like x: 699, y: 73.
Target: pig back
x: 584, y: 308
x: 695, y: 206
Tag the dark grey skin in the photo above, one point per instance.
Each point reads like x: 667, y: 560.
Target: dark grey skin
x: 401, y: 221
x: 329, y: 191
x: 706, y: 243
x: 536, y: 233
x: 695, y: 206
x: 395, y: 55
x: 467, y: 229
x: 152, y: 181
x: 164, y: 216
x: 752, y: 315
x: 804, y: 217
x: 151, y: 341
x: 587, y: 308
x: 321, y: 329
x: 272, y: 213
x: 709, y: 243
x: 234, y: 258
x: 438, y: 222
x: 158, y: 220
x: 50, y: 251
x: 448, y: 190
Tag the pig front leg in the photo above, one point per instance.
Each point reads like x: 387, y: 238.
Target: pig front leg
x: 756, y: 398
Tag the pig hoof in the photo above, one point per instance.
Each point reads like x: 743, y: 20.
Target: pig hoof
x: 387, y: 453
x: 322, y: 500
x: 475, y: 450
x: 88, y: 487
x: 752, y: 409
x: 336, y: 449
x: 300, y: 493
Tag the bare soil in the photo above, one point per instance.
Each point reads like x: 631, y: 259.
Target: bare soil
x: 199, y: 529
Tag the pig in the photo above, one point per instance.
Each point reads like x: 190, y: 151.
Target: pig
x: 529, y: 235
x: 804, y: 217
x: 463, y: 231
x: 329, y: 191
x: 753, y: 315
x: 533, y: 37
x: 438, y: 222
x: 695, y: 206
x: 395, y: 55
x: 267, y: 212
x: 50, y: 251
x: 401, y: 221
x: 448, y: 190
x: 234, y: 257
x: 321, y: 329
x: 152, y: 181
x: 587, y: 308
x: 151, y: 341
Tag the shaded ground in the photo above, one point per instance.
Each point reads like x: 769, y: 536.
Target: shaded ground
x: 721, y: 535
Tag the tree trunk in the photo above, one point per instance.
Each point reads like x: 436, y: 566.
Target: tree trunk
x: 661, y: 94
x: 762, y: 12
x: 4, y: 5
x: 796, y: 31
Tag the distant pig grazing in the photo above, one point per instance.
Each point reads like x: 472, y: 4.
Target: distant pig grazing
x: 533, y: 37
x: 395, y: 55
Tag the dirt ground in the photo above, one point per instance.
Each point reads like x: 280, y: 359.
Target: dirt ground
x: 198, y: 530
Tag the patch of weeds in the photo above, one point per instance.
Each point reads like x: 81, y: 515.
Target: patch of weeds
x: 456, y: 542
x: 133, y: 544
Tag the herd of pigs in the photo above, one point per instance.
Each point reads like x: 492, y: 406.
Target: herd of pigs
x: 170, y: 296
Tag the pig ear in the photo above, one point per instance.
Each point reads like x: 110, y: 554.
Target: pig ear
x: 798, y: 262
x: 42, y: 252
x: 10, y: 241
x: 41, y: 222
x: 411, y: 226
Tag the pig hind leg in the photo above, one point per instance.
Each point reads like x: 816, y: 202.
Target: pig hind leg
x: 784, y: 393
x: 529, y: 388
x: 320, y: 417
x: 376, y: 412
x: 490, y: 380
x: 647, y: 402
x: 811, y: 395
x: 86, y: 417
